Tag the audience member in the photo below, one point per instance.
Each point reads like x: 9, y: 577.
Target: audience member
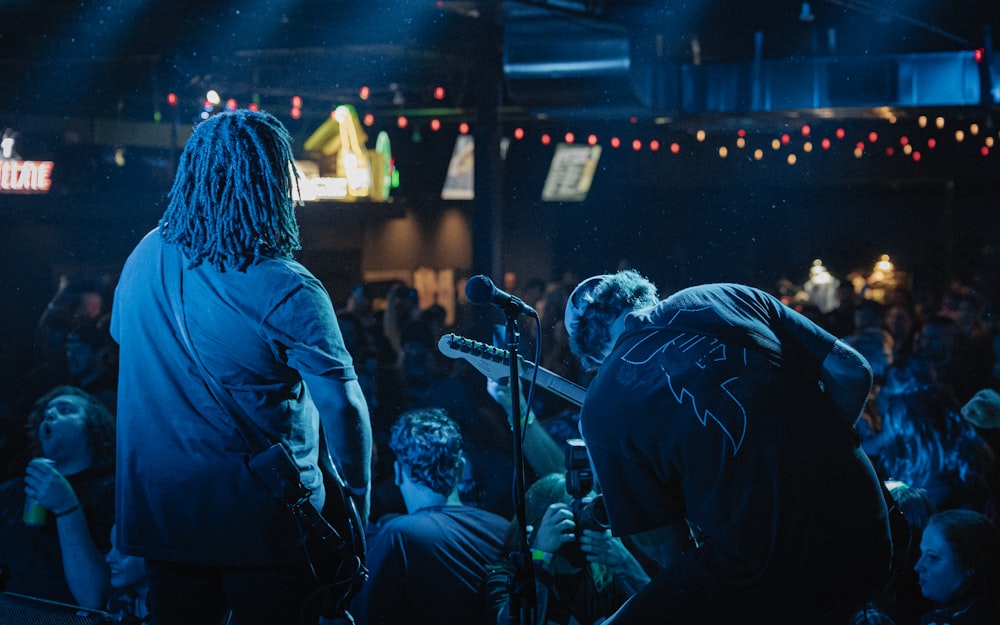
x: 425, y: 380
x: 359, y: 304
x: 582, y: 575
x: 902, y: 602
x: 959, y: 569
x: 902, y: 320
x: 958, y: 361
x: 871, y: 340
x: 59, y: 556
x: 983, y: 412
x: 92, y: 359
x: 129, y: 600
x: 926, y: 443
x: 428, y: 565
x: 402, y: 308
x: 364, y: 354
x: 77, y: 301
x: 840, y: 320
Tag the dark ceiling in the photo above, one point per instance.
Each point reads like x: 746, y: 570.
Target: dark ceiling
x: 119, y: 58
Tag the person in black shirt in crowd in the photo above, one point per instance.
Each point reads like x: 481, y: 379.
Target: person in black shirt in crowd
x: 72, y: 476
x: 428, y: 565
x: 723, y: 414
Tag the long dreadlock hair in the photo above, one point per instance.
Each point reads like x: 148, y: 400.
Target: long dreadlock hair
x: 231, y: 201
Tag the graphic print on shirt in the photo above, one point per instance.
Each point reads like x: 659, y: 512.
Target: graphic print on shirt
x: 699, y: 371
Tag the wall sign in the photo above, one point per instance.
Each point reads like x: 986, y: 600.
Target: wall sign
x: 20, y: 176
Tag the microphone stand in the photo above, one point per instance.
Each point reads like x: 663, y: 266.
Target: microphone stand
x: 521, y: 584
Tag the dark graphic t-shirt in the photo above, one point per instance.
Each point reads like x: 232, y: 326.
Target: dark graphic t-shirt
x: 709, y: 410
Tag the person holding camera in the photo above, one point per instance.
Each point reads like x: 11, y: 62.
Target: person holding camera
x: 720, y: 427
x: 582, y: 573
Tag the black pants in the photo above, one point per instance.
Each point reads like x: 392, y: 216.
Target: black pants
x: 186, y: 594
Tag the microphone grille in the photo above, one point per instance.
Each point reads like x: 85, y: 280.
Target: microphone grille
x: 479, y: 289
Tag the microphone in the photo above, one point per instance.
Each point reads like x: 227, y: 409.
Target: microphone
x: 481, y: 290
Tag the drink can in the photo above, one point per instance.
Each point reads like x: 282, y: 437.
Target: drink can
x: 34, y: 513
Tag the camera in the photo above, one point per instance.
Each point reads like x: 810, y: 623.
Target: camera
x: 588, y: 511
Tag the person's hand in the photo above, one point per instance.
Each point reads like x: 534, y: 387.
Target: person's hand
x: 500, y: 393
x: 46, y: 485
x: 556, y: 529
x: 602, y: 548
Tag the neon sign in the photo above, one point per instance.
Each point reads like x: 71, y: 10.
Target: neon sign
x: 19, y: 176
x: 341, y: 166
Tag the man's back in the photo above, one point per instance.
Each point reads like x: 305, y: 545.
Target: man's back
x: 183, y: 482
x: 709, y: 410
x: 429, y: 567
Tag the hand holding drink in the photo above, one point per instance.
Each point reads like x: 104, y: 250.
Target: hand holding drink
x: 34, y: 512
x: 47, y: 490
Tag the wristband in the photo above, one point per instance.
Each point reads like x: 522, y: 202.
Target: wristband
x: 537, y: 555
x: 357, y: 491
x: 528, y: 421
x: 70, y: 510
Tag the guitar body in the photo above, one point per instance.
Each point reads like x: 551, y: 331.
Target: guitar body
x: 338, y: 559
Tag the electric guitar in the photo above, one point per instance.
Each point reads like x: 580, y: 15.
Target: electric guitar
x: 494, y: 363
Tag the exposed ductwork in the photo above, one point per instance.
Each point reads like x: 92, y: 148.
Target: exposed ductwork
x: 554, y: 63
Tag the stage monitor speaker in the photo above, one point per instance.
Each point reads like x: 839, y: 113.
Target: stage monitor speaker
x: 18, y: 609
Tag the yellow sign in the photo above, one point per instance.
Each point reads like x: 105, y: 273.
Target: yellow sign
x: 340, y: 166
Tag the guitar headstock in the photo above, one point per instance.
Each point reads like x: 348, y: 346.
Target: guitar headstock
x: 491, y: 361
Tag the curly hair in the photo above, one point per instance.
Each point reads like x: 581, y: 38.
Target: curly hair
x: 429, y: 445
x: 599, y: 305
x: 231, y: 202
x: 100, y: 426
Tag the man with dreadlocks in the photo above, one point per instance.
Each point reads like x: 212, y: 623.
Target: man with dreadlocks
x: 213, y: 292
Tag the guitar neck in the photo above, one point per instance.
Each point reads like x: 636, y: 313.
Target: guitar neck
x: 494, y: 362
x: 554, y: 383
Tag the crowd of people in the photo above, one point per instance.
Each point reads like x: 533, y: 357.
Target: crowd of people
x: 736, y: 449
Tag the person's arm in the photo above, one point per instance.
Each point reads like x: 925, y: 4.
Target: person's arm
x: 846, y: 376
x: 554, y: 530
x: 87, y: 574
x: 603, y: 548
x: 847, y: 380
x: 344, y: 416
x: 540, y: 450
